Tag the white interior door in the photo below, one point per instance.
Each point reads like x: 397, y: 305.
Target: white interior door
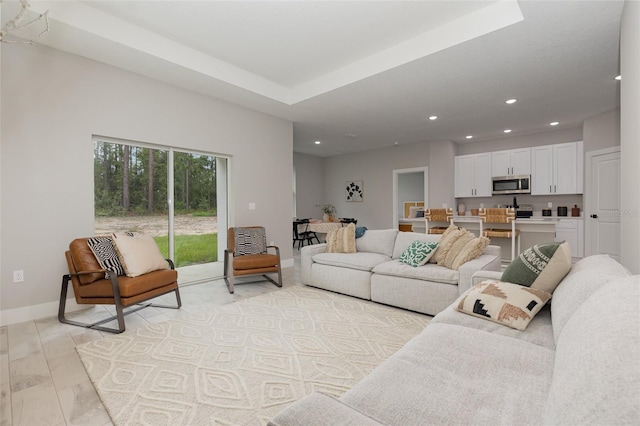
x: 602, y: 215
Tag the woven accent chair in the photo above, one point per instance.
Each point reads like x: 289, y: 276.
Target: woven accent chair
x: 501, y: 215
x: 90, y: 287
x: 247, y: 255
x: 438, y: 215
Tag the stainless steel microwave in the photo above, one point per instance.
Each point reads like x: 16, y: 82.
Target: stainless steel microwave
x: 511, y: 185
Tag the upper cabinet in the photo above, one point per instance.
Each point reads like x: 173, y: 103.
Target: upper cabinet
x: 473, y: 175
x: 557, y: 169
x: 511, y: 162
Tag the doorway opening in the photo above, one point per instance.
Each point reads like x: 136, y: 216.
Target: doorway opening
x: 409, y: 186
x: 173, y: 195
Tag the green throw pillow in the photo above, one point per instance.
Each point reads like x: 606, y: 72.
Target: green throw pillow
x: 418, y: 253
x: 542, y: 266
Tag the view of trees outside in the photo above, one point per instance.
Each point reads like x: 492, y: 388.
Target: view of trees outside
x: 131, y: 195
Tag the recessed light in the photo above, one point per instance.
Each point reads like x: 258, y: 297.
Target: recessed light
x: 396, y: 143
x: 511, y: 101
x: 618, y: 78
x: 507, y: 130
x: 317, y: 142
x: 469, y: 137
x: 554, y: 123
x: 433, y: 117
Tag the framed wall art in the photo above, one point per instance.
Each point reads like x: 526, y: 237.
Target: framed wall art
x: 354, y: 191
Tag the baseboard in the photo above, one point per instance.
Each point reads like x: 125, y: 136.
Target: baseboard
x: 34, y: 312
x: 50, y: 309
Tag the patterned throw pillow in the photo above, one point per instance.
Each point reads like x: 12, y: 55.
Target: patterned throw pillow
x: 505, y: 303
x: 249, y: 241
x: 106, y: 255
x: 418, y: 253
x: 342, y: 240
x: 542, y: 266
x: 452, y: 233
x: 467, y: 247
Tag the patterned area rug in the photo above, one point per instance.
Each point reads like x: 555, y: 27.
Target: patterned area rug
x: 244, y: 362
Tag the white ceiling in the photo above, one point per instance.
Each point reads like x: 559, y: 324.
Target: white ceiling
x: 361, y: 75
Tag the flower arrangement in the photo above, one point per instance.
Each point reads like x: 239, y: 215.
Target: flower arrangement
x: 327, y: 209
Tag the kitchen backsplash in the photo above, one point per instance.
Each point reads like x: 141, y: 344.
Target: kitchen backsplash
x: 539, y: 202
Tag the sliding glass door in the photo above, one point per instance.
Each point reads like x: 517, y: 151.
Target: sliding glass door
x: 174, y: 196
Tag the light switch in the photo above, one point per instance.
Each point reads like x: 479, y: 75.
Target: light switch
x: 252, y: 206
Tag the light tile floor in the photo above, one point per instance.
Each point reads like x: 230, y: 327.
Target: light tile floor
x: 43, y: 381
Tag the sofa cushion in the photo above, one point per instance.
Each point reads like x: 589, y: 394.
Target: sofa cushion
x: 539, y: 331
x: 586, y: 276
x: 342, y: 240
x: 138, y: 253
x: 467, y: 247
x: 596, y: 377
x: 509, y: 304
x: 542, y: 266
x: 377, y: 241
x: 405, y: 238
x: 428, y: 272
x: 447, y: 239
x: 418, y: 253
x: 361, y: 261
x: 455, y: 375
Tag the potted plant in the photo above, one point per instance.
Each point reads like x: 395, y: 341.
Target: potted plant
x: 329, y: 212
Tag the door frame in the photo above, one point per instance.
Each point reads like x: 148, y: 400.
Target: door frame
x: 397, y: 172
x: 588, y: 192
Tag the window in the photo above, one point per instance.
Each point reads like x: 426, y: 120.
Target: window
x: 169, y: 194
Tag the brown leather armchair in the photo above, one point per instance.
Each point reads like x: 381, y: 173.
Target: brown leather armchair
x: 90, y: 287
x: 246, y: 255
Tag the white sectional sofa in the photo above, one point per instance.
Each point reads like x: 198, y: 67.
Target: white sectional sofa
x: 577, y: 363
x: 375, y: 273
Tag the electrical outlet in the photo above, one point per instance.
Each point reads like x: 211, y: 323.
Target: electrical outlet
x: 18, y: 276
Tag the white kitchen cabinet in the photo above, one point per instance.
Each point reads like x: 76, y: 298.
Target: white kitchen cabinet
x: 557, y: 169
x: 571, y: 230
x: 473, y: 175
x: 511, y: 162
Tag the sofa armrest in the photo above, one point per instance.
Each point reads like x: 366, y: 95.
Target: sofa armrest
x: 306, y: 254
x: 319, y: 410
x: 483, y: 275
x: 489, y: 260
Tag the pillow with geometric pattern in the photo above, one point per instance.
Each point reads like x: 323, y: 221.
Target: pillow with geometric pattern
x: 542, y: 266
x: 105, y: 253
x: 418, y: 253
x: 509, y: 304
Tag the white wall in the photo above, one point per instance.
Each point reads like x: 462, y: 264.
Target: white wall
x: 375, y: 168
x: 630, y: 136
x: 309, y: 185
x: 53, y: 102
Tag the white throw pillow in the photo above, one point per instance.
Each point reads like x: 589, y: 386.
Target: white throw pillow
x: 138, y: 253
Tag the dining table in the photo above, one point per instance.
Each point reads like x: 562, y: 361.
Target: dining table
x: 320, y: 228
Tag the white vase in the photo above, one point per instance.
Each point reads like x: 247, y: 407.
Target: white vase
x: 325, y: 217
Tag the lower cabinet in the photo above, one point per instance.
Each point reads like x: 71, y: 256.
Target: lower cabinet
x: 571, y: 230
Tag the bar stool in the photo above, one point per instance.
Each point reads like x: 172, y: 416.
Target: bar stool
x: 437, y: 215
x: 501, y: 215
